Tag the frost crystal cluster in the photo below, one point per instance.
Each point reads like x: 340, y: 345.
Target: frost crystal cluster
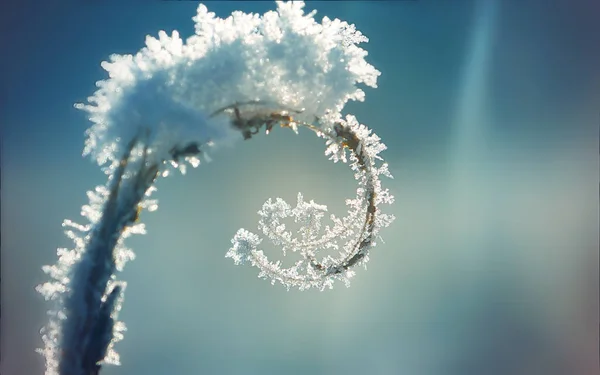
x: 172, y: 87
x: 171, y: 102
x: 352, y: 235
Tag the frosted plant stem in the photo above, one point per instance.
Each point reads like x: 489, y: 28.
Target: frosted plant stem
x: 91, y: 301
x: 159, y: 110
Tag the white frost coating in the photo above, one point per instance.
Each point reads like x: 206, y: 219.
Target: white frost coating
x: 163, y: 106
x: 171, y: 87
x: 83, y: 326
x: 354, y: 235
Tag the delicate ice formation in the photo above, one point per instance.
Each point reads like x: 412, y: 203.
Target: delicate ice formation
x: 83, y: 325
x: 172, y: 87
x: 164, y: 106
x: 353, y: 235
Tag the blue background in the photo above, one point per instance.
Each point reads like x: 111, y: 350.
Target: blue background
x: 490, y: 110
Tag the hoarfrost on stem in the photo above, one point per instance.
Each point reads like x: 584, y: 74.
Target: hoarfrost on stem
x: 83, y: 324
x: 171, y: 86
x: 164, y: 108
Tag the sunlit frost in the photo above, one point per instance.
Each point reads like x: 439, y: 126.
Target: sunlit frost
x: 171, y: 86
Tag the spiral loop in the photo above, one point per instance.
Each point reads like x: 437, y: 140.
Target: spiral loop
x: 359, y: 228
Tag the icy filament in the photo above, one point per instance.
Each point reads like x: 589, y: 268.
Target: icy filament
x: 359, y: 229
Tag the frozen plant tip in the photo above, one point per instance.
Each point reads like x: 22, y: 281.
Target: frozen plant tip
x: 353, y: 235
x: 164, y: 108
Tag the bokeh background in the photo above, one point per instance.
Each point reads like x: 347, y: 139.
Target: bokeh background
x: 490, y: 110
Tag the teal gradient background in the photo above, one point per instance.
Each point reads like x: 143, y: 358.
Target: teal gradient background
x: 490, y: 111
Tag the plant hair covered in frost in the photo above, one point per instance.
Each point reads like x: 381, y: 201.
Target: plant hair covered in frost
x: 167, y: 107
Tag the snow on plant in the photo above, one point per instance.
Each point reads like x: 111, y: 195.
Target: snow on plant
x: 164, y: 108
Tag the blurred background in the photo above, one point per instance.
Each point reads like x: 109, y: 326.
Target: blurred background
x: 490, y: 110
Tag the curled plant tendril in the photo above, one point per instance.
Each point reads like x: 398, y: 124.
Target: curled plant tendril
x: 157, y: 112
x: 358, y: 229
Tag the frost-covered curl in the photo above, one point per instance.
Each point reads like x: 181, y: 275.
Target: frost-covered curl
x: 172, y: 86
x: 352, y: 235
x: 163, y: 107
